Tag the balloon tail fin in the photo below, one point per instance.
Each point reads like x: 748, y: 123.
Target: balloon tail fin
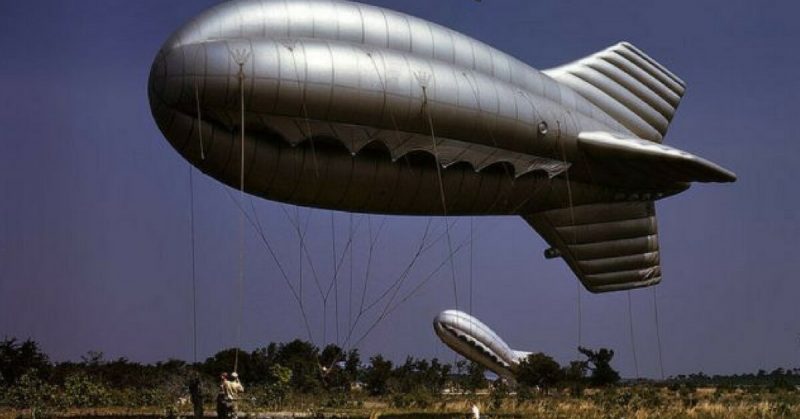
x: 610, y: 247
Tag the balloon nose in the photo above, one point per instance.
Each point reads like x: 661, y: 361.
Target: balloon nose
x: 166, y: 77
x: 185, y: 77
x: 448, y: 317
x: 158, y: 74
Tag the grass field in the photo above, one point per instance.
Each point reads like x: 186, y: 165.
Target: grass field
x: 638, y: 402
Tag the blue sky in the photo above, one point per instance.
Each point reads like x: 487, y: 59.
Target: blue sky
x: 94, y: 203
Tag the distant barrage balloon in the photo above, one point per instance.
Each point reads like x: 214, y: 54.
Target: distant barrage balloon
x: 351, y: 107
x: 477, y: 342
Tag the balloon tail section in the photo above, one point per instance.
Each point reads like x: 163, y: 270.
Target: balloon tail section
x: 646, y: 162
x: 610, y: 247
x: 628, y: 85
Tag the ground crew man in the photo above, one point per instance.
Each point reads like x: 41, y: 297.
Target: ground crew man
x: 222, y: 404
x: 196, y: 396
x: 229, y: 390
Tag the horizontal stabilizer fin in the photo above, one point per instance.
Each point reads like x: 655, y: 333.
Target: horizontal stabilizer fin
x: 628, y: 85
x: 610, y: 247
x: 651, y: 161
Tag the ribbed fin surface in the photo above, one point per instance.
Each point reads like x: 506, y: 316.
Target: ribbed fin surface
x: 610, y: 247
x: 628, y: 85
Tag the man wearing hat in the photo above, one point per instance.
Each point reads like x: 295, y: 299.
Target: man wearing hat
x: 229, y: 390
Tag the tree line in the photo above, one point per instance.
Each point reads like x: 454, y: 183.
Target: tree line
x: 299, y: 374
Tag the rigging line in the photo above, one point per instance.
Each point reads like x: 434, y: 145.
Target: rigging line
x: 192, y: 227
x: 349, y: 246
x: 398, y: 283
x: 574, y: 231
x: 633, y: 338
x: 429, y: 277
x: 297, y: 296
x: 255, y: 224
x: 338, y: 265
x: 194, y: 265
x: 335, y: 279
x: 302, y: 234
x: 299, y: 252
x: 400, y: 279
x: 334, y: 283
x: 385, y: 93
x: 304, y: 249
x: 371, y: 249
x: 199, y: 120
x: 441, y: 236
x: 580, y: 321
x: 386, y: 313
x: 372, y: 242
x: 396, y: 131
x: 411, y: 294
x: 419, y: 286
x: 350, y: 287
x: 371, y: 253
x: 441, y: 191
x: 489, y: 129
x: 471, y: 248
x: 192, y: 216
x: 658, y: 332
x: 309, y: 255
x: 260, y: 231
x: 303, y: 88
x: 241, y: 57
x: 302, y: 229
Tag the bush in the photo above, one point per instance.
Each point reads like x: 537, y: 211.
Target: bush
x: 498, y: 394
x: 81, y: 391
x: 687, y: 395
x: 30, y: 392
x: 602, y: 373
x: 539, y: 370
x: 419, y: 397
x: 18, y: 359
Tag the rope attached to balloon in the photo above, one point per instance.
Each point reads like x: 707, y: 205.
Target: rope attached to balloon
x: 240, y: 56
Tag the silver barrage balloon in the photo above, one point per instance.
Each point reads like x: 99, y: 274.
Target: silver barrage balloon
x: 357, y: 108
x: 477, y: 342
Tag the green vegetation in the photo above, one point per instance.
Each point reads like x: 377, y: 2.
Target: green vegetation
x: 540, y: 371
x: 299, y: 377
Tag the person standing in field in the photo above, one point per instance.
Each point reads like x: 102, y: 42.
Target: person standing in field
x: 196, y: 396
x: 222, y: 403
x: 231, y: 389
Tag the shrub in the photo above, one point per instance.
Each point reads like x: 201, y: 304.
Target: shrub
x: 539, y: 370
x: 498, y: 394
x: 81, y: 391
x: 30, y: 392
